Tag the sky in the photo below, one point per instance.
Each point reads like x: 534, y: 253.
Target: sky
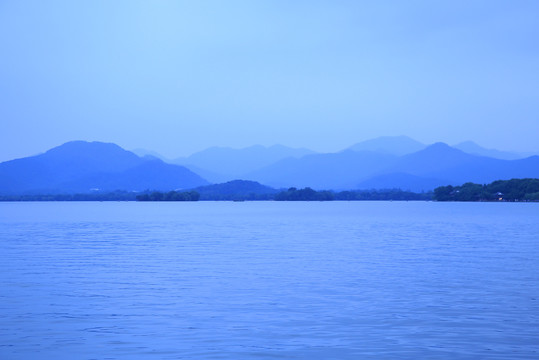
x: 176, y: 77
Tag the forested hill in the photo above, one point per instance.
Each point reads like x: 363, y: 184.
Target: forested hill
x: 236, y: 190
x: 501, y: 190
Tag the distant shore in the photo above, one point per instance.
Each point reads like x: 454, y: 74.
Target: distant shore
x: 514, y: 190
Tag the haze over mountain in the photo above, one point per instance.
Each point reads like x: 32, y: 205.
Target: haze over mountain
x: 393, y: 145
x: 81, y: 166
x: 84, y: 166
x: 145, y: 153
x: 404, y: 181
x: 323, y: 171
x: 222, y: 163
x: 440, y: 164
x: 444, y: 162
x: 179, y: 76
x: 436, y: 165
x: 471, y: 147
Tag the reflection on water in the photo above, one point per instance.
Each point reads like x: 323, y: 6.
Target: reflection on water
x: 338, y: 280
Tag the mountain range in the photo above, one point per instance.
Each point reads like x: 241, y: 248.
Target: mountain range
x: 219, y: 164
x: 436, y: 165
x: 472, y: 148
x: 80, y: 166
x: 382, y: 163
x: 392, y: 145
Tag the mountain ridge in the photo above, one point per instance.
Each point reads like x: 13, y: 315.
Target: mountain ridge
x: 229, y: 163
x: 471, y: 147
x: 393, y: 145
x: 82, y: 166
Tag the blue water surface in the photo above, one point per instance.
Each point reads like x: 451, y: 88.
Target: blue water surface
x: 269, y: 280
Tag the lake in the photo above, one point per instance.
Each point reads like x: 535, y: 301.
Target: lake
x: 269, y: 280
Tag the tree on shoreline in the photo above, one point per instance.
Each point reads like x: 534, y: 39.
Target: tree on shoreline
x: 170, y: 196
x: 306, y: 194
x: 499, y: 190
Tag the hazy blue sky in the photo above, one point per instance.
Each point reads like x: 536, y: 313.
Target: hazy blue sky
x: 179, y: 76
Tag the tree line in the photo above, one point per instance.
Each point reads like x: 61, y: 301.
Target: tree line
x: 308, y: 194
x: 500, y: 190
x: 292, y: 194
x: 169, y: 196
x: 108, y: 196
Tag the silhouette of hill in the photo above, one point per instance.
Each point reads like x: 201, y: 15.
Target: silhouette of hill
x: 323, y: 171
x: 393, y: 145
x: 222, y: 163
x: 284, y: 167
x: 439, y: 164
x: 472, y: 148
x: 80, y: 166
x: 433, y: 158
x: 436, y: 165
x: 400, y: 181
x: 236, y: 190
x: 212, y: 177
x: 83, y: 166
x: 149, y: 153
x: 152, y: 174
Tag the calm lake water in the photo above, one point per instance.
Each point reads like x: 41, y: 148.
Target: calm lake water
x: 249, y: 280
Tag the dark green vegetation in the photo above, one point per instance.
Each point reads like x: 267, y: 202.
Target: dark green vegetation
x: 108, y: 196
x: 501, y: 190
x: 169, y: 196
x: 236, y: 190
x: 241, y: 190
x: 306, y: 194
x: 390, y: 194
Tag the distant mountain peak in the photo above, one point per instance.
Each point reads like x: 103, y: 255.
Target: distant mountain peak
x: 438, y: 146
x: 87, y: 149
x: 394, y: 145
x: 471, y: 147
x: 83, y: 165
x: 228, y: 163
x: 440, y: 150
x: 81, y: 144
x: 145, y: 153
